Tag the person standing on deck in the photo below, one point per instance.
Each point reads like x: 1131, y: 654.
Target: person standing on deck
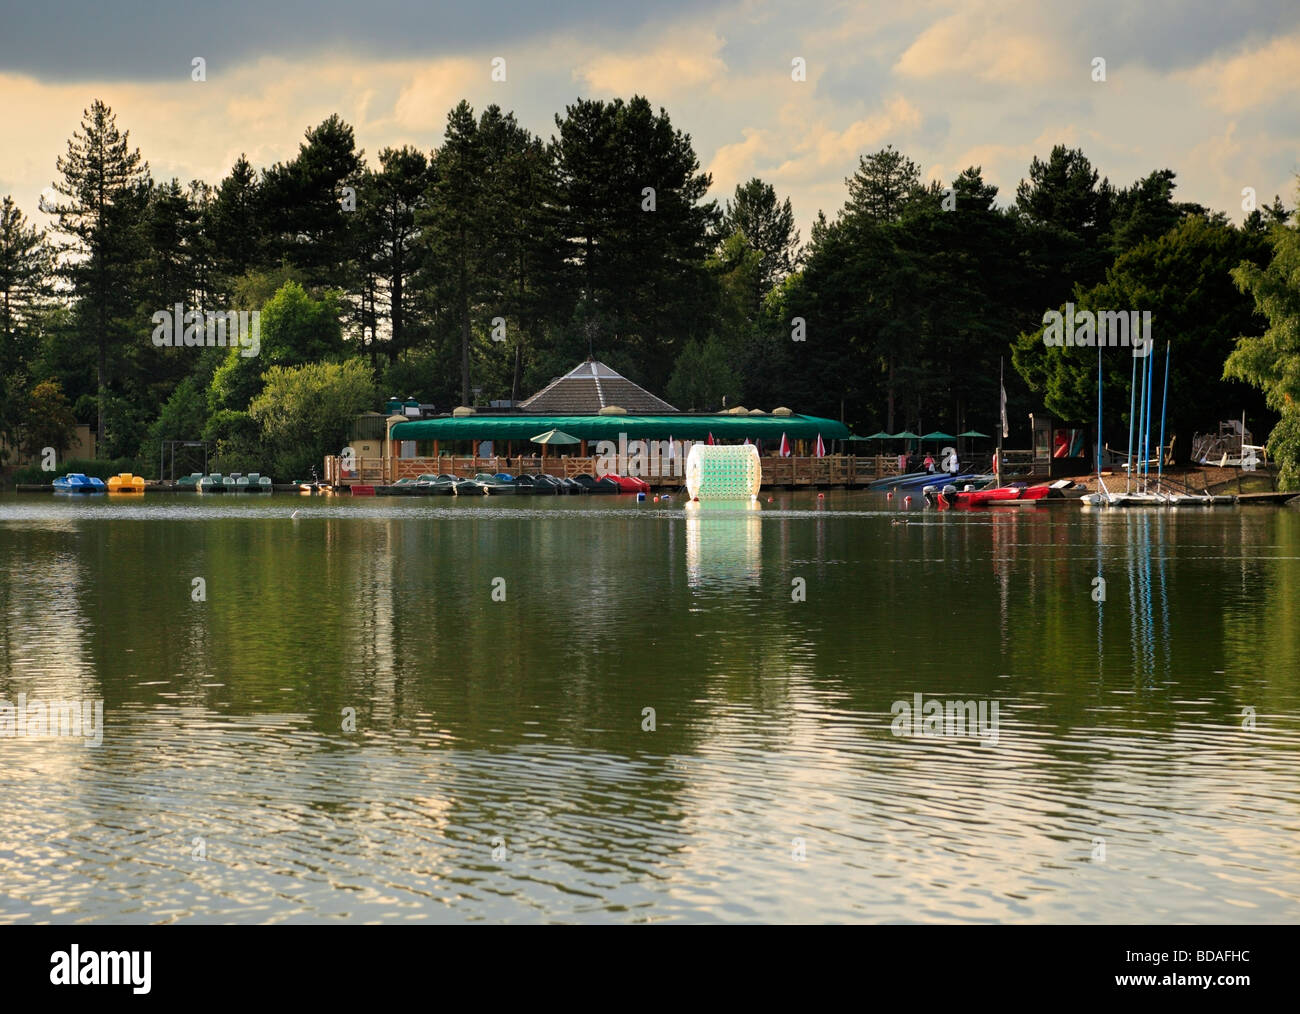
x: 929, y: 462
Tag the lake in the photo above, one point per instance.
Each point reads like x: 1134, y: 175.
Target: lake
x: 586, y: 709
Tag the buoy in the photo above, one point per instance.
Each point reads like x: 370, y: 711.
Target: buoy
x: 640, y: 498
x: 771, y: 499
x: 907, y: 501
x: 821, y: 496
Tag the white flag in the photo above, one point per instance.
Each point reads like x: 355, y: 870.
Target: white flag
x: 1006, y: 427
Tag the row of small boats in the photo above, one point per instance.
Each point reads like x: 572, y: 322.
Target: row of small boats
x: 505, y: 484
x: 77, y: 482
x: 1158, y: 498
x: 234, y: 482
x: 949, y: 496
x: 1024, y: 494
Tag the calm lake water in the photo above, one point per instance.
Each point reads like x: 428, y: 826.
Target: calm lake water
x: 502, y: 769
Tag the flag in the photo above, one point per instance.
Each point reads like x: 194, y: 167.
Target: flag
x: 785, y: 446
x: 820, y: 451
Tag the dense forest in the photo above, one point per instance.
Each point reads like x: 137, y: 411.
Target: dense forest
x: 483, y: 268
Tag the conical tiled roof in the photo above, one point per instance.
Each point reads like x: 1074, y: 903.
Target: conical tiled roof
x: 588, y: 388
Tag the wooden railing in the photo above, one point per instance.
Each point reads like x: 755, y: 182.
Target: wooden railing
x: 793, y: 472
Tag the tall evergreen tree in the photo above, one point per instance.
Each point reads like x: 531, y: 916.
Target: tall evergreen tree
x: 234, y: 226
x: 455, y: 226
x: 882, y: 186
x: 392, y: 197
x: 768, y: 228
x: 26, y: 276
x: 632, y: 209
x: 100, y: 174
x: 305, y: 203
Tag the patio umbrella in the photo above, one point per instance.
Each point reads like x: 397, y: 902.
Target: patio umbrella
x: 938, y: 435
x: 973, y: 433
x: 556, y: 437
x: 905, y: 435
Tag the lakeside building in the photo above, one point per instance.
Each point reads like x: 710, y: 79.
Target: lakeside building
x: 592, y: 403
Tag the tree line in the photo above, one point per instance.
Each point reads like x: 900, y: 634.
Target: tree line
x: 481, y: 269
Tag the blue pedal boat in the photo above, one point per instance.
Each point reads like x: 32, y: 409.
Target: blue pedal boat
x: 76, y: 482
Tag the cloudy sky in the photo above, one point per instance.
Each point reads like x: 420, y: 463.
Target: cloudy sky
x: 1208, y: 88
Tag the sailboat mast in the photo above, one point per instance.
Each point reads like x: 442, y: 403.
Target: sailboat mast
x: 1151, y: 384
x: 1132, y: 407
x: 1002, y: 390
x: 1142, y: 420
x: 1164, y: 404
x: 1099, y: 410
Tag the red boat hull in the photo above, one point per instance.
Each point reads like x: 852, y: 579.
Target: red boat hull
x: 988, y: 497
x: 629, y: 483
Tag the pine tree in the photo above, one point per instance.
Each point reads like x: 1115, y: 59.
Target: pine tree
x: 26, y: 274
x: 454, y: 224
x: 99, y: 174
x: 768, y: 227
x: 392, y: 197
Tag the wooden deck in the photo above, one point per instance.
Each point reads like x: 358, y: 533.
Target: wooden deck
x: 826, y: 472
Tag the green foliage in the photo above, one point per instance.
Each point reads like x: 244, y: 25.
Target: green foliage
x: 1183, y: 278
x: 297, y: 328
x: 910, y: 294
x: 44, y: 419
x: 102, y: 189
x: 767, y: 227
x: 301, y: 204
x: 236, y: 438
x: 306, y: 412
x: 1271, y: 361
x: 640, y: 271
x: 704, y: 376
x: 100, y: 468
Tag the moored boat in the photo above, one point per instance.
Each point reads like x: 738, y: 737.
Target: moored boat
x: 253, y: 482
x: 990, y: 497
x: 126, y: 483
x: 628, y: 483
x: 496, y: 485
x: 77, y: 482
x: 213, y: 483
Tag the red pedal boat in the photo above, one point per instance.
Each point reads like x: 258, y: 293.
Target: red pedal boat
x: 988, y: 497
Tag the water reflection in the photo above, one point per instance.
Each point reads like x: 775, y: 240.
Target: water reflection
x: 724, y: 544
x: 522, y: 718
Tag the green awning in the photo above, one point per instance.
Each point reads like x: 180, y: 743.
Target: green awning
x: 635, y: 427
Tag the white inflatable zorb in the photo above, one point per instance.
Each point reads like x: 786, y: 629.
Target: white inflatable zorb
x: 723, y: 473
